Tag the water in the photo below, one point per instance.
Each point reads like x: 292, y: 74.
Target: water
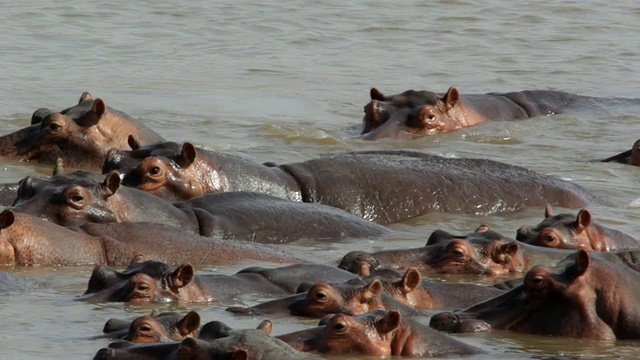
x: 286, y: 81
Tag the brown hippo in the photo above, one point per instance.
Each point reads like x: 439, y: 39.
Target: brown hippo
x: 151, y: 281
x: 324, y: 298
x: 483, y: 253
x: 378, y: 333
x: 81, y: 135
x: 567, y: 231
x: 163, y: 327
x: 426, y: 112
x: 238, y: 215
x: 583, y: 297
x: 421, y: 182
x: 28, y: 240
x: 629, y: 157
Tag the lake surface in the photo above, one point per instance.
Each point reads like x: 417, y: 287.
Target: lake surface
x: 287, y: 81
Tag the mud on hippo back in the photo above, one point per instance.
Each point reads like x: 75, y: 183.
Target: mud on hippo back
x: 81, y: 135
x: 424, y: 112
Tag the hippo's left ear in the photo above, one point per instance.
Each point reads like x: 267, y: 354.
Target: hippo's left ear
x: 98, y: 108
x: 111, y: 184
x: 85, y: 96
x: 6, y: 219
x: 181, y: 276
x: 582, y: 262
x: 389, y: 322
x: 451, y: 98
x: 188, y: 155
x: 133, y: 143
x: 239, y: 354
x: 410, y: 280
x: 372, y: 289
x: 483, y: 228
x: 510, y: 248
x: 376, y: 94
x: 439, y: 236
x: 583, y: 219
x: 189, y: 347
x: 266, y: 326
x: 189, y: 323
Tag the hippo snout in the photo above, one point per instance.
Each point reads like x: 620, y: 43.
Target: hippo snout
x: 445, y: 321
x: 105, y: 354
x: 358, y: 262
x: 522, y: 232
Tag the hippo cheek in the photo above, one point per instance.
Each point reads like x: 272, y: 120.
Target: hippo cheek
x: 19, y: 143
x: 7, y: 253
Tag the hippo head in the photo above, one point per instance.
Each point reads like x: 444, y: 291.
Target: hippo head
x: 562, y: 231
x: 146, y: 281
x: 126, y: 160
x: 70, y: 204
x: 410, y: 113
x: 404, y: 288
x: 368, y: 334
x: 323, y: 298
x: 163, y: 327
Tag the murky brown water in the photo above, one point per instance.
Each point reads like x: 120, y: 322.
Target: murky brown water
x: 286, y: 81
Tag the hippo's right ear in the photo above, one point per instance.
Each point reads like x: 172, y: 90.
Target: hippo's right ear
x: 548, y: 211
x: 510, y: 248
x: 134, y: 144
x: 188, y: 155
x: 583, y: 220
x: 483, y: 228
x: 239, y: 354
x: 389, y: 322
x: 93, y: 116
x: 189, y: 323
x: 410, y: 280
x: 85, y: 96
x: 111, y: 184
x: 582, y: 262
x: 181, y: 276
x: 376, y: 95
x: 266, y: 326
x: 451, y: 98
x: 372, y: 289
x: 7, y: 218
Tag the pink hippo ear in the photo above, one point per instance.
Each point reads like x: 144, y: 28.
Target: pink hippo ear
x: 410, y: 280
x: 372, y: 289
x: 451, y: 98
x: 510, y: 249
x: 376, y: 95
x: 189, y: 323
x: 583, y: 220
x: 266, y: 326
x: 85, y: 96
x: 239, y: 354
x: 93, y: 116
x: 181, y: 276
x: 134, y: 144
x: 140, y: 258
x: 582, y: 262
x: 6, y: 219
x: 548, y: 211
x: 111, y: 184
x: 188, y: 155
x: 483, y: 228
x: 389, y: 322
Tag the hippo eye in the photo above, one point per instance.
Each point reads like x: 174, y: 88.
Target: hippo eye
x: 77, y: 198
x: 549, y: 239
x: 55, y: 127
x: 154, y: 171
x: 458, y: 252
x: 431, y: 118
x: 145, y: 327
x: 320, y: 296
x: 143, y: 286
x: 339, y: 327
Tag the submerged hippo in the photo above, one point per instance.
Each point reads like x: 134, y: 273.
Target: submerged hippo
x: 238, y: 215
x: 583, y: 297
x: 378, y: 333
x: 163, y: 327
x: 567, y: 231
x: 154, y: 281
x: 357, y: 182
x: 426, y: 112
x: 81, y: 135
x: 629, y: 157
x: 28, y: 240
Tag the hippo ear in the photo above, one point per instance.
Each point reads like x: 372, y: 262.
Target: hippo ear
x: 510, y: 248
x: 134, y: 144
x: 389, y: 322
x: 189, y: 323
x: 548, y: 212
x: 214, y: 330
x: 438, y: 237
x: 451, y: 98
x: 376, y: 95
x: 188, y: 155
x: 6, y: 219
x: 410, y: 280
x: 85, y: 96
x: 182, y: 276
x: 111, y: 184
x: 266, y: 326
x: 189, y: 347
x: 582, y: 262
x: 372, y: 289
x: 239, y: 354
x: 94, y: 115
x: 483, y: 228
x: 140, y: 258
x: 583, y: 220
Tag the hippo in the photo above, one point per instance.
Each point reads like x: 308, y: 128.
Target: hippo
x: 216, y: 341
x: 81, y: 135
x: 583, y: 297
x: 484, y: 252
x: 421, y: 182
x: 163, y: 327
x: 377, y: 333
x: 27, y: 240
x: 247, y: 216
x: 568, y: 231
x: 151, y: 281
x: 629, y: 157
x: 323, y: 298
x: 426, y: 112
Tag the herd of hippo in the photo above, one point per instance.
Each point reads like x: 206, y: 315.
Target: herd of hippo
x: 160, y: 209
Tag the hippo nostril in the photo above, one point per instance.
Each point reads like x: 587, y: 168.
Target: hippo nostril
x: 521, y: 233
